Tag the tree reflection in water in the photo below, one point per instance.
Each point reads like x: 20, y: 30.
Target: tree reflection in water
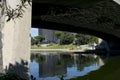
x: 85, y: 61
x: 38, y: 58
x: 59, y: 64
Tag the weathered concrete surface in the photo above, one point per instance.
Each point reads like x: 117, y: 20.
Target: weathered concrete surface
x: 1, y: 59
x: 1, y: 63
x: 101, y: 19
x: 1, y: 66
x: 16, y: 43
x: 103, y: 16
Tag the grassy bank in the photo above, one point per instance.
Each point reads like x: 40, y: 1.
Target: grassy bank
x: 55, y: 46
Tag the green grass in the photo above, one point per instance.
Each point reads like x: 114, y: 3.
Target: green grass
x: 110, y: 71
x: 55, y: 46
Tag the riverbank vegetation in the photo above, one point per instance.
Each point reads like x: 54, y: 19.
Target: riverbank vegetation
x: 55, y: 46
x: 64, y: 40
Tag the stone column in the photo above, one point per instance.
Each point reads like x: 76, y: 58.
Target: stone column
x: 16, y: 42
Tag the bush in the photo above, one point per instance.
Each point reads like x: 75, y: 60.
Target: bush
x: 67, y: 38
x: 82, y: 39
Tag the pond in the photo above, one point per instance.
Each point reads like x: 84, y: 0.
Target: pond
x: 62, y: 66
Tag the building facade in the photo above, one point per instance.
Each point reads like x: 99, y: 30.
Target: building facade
x: 48, y: 34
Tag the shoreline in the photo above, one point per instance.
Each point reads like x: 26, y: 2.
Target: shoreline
x: 55, y: 50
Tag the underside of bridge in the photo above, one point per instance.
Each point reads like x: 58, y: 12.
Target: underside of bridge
x: 100, y: 18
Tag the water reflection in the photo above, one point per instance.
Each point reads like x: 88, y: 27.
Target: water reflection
x: 59, y: 66
x: 83, y: 61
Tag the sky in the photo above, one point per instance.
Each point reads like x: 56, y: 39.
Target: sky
x: 34, y: 32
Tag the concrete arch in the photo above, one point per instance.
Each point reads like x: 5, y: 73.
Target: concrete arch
x: 99, y: 18
x: 111, y: 39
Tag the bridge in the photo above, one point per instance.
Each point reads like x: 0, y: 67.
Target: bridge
x: 100, y: 18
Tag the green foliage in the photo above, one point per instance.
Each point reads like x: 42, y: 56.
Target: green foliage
x: 66, y: 38
x: 58, y: 34
x: 82, y: 39
x: 33, y: 41
x: 96, y: 40
x: 55, y: 46
x: 37, y: 39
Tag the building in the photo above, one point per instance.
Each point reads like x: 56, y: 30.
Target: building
x: 49, y: 35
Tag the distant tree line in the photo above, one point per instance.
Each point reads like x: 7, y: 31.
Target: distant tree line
x: 64, y: 38
x: 75, y: 38
x: 82, y: 39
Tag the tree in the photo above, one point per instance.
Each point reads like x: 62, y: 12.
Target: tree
x: 67, y: 38
x: 33, y: 41
x: 39, y: 39
x: 82, y: 39
x: 58, y: 35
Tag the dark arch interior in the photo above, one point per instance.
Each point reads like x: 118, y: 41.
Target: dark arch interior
x: 42, y: 8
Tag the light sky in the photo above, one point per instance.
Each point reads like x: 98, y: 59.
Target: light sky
x: 34, y: 32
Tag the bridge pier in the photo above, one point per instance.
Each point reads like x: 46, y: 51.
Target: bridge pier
x: 114, y: 44
x: 15, y: 36
x: 110, y: 45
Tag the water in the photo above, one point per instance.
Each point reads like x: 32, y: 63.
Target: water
x: 59, y: 66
